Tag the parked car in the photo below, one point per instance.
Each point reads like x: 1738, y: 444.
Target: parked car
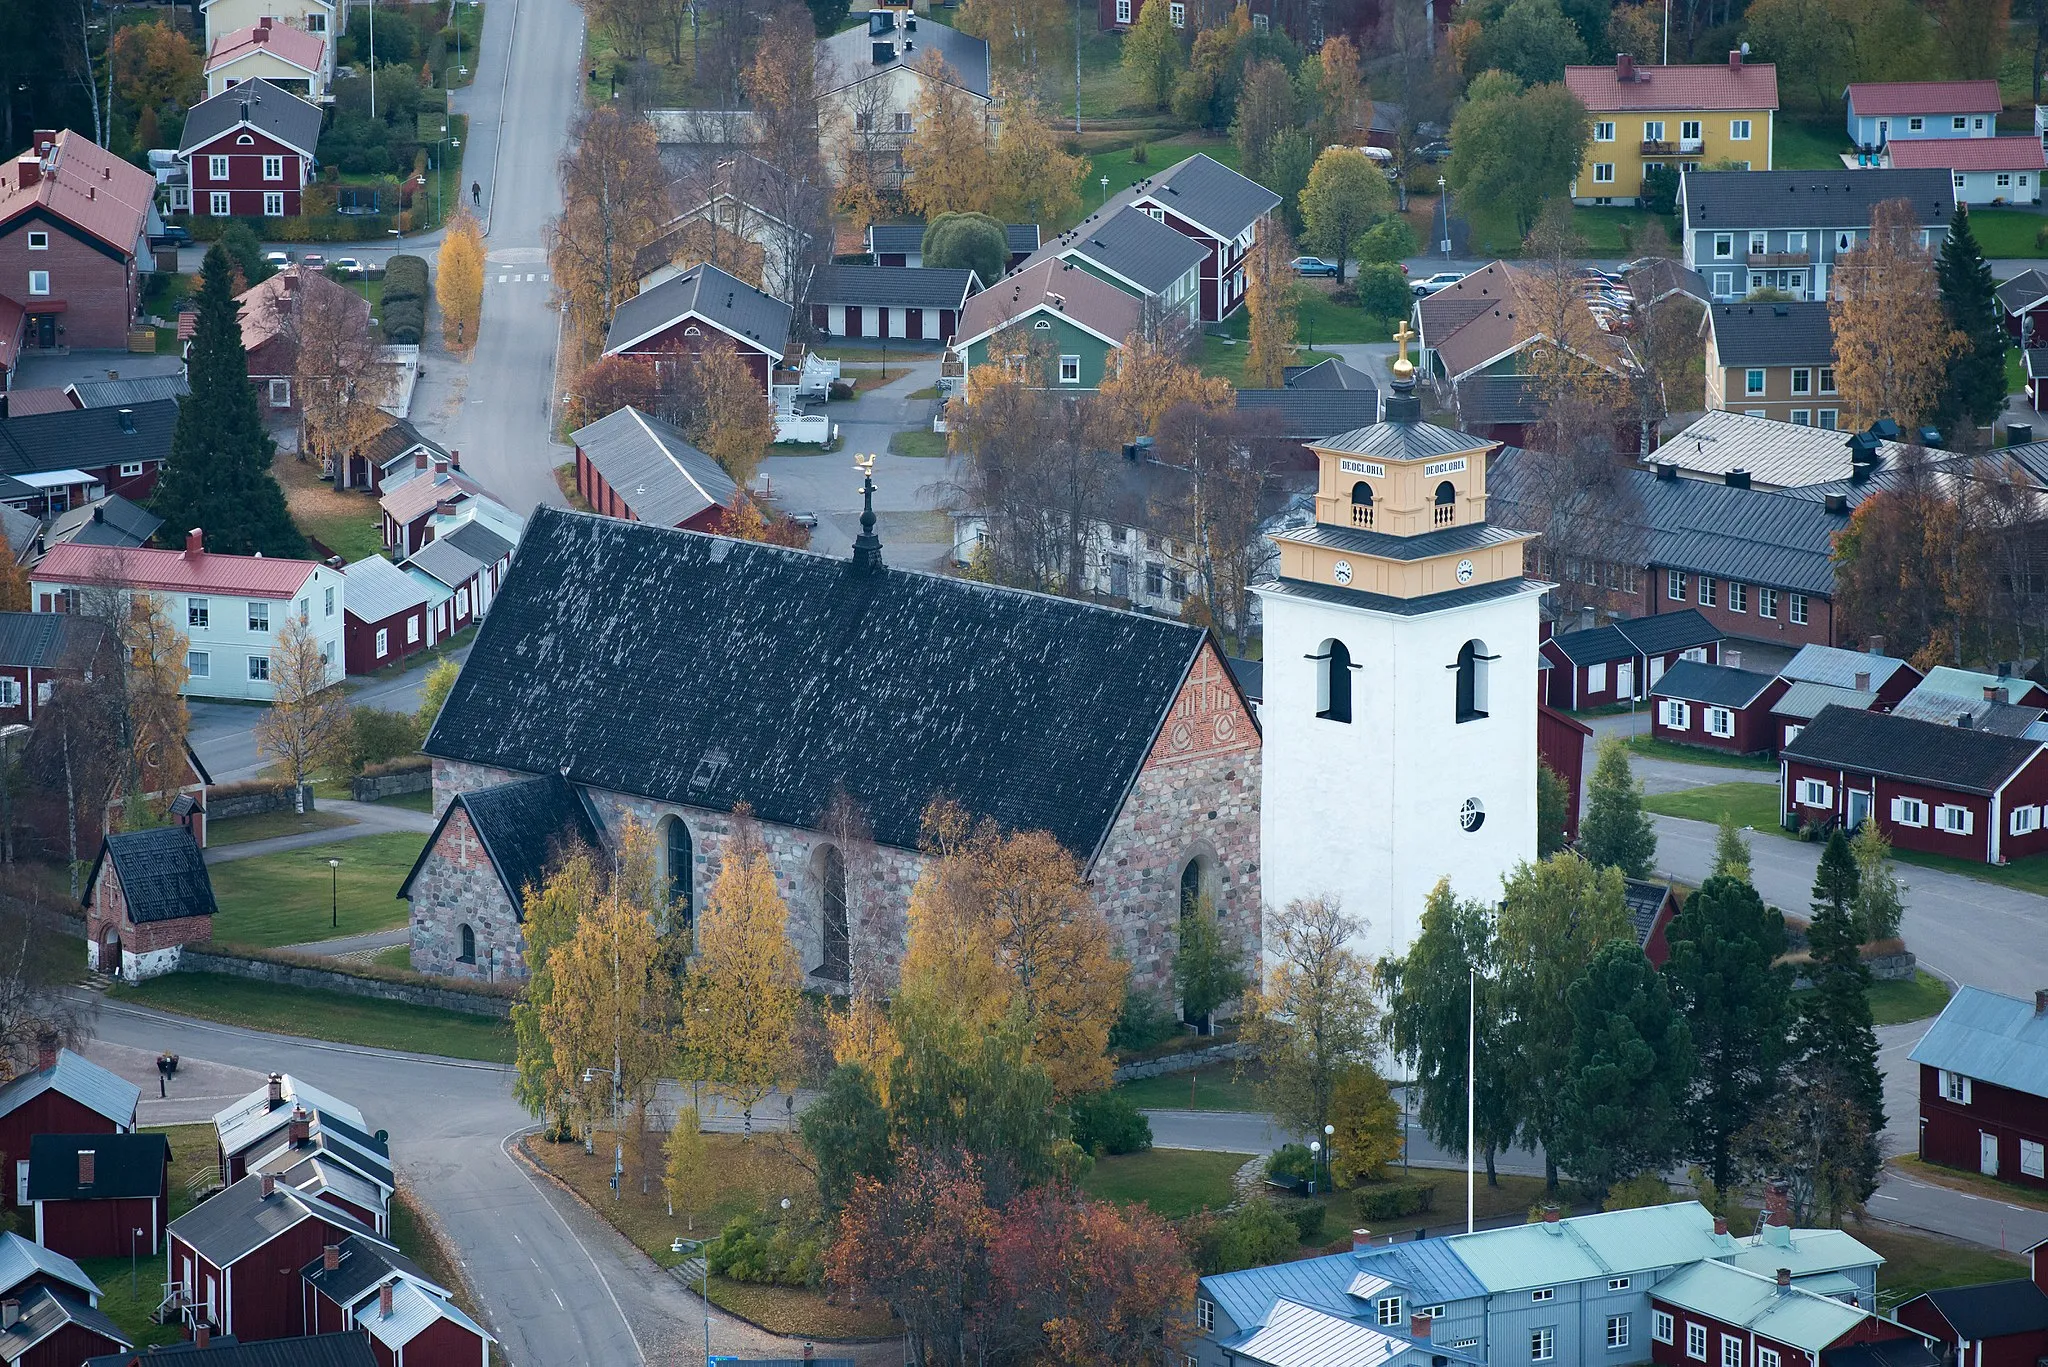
x: 1442, y: 279
x: 808, y: 521
x: 277, y: 260
x: 313, y: 261
x: 1314, y: 265
x: 1433, y: 152
x: 172, y: 236
x: 348, y: 265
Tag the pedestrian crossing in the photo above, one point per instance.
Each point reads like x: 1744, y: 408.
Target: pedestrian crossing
x: 515, y: 278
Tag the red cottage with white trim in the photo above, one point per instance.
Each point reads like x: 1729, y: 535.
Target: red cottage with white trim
x: 66, y: 1094
x: 250, y: 150
x: 1716, y: 1312
x: 91, y: 1192
x: 73, y: 219
x: 703, y: 309
x: 1203, y: 199
x: 1984, y: 1087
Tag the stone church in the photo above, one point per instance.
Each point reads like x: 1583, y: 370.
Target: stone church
x: 630, y: 670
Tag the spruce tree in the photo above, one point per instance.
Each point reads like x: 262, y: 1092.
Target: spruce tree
x: 1731, y: 851
x: 1616, y: 831
x: 1974, y: 392
x: 1835, y: 1040
x: 1627, y: 1073
x: 218, y: 477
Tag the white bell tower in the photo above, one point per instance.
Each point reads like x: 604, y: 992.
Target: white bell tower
x: 1400, y: 680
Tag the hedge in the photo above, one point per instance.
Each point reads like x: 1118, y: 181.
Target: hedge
x: 405, y: 277
x: 249, y: 788
x: 404, y: 320
x: 1394, y: 1200
x: 405, y: 764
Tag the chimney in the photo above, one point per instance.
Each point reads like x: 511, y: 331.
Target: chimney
x: 201, y: 1333
x: 419, y: 460
x: 1419, y: 1326
x: 195, y: 545
x: 1784, y: 1279
x: 85, y: 1162
x: 1361, y: 1239
x: 1777, y: 1215
x: 440, y: 465
x: 384, y: 1301
x: 1550, y: 1220
x: 92, y: 192
x: 1736, y: 479
x: 1624, y: 67
x: 27, y: 170
x: 1993, y: 693
x: 1838, y: 504
x: 276, y: 1079
x: 10, y: 1311
x: 299, y: 1129
x: 46, y: 1052
x: 330, y: 1257
x: 1735, y: 59
x: 1667, y: 471
x: 267, y: 1183
x: 1720, y: 1225
x: 1862, y: 681
x: 445, y: 508
x: 455, y: 460
x: 2041, y: 1001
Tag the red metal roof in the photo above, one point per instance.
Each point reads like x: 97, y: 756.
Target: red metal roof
x: 296, y: 46
x: 1970, y: 154
x: 85, y: 185
x: 254, y: 576
x: 1926, y: 97
x: 22, y: 403
x: 1753, y: 85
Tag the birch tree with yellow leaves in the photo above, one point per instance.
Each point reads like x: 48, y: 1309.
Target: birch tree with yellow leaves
x: 459, y: 281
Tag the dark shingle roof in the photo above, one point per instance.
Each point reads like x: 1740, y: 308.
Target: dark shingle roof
x: 1206, y: 192
x: 1907, y: 1352
x: 394, y: 439
x: 1661, y: 279
x: 163, y: 874
x: 478, y: 542
x: 1135, y: 246
x: 1312, y: 414
x: 1663, y: 632
x: 49, y: 640
x: 709, y: 293
x: 1250, y: 676
x: 86, y: 437
x: 42, y: 1313
x: 1715, y: 685
x: 322, y: 1350
x: 896, y: 287
x: 1993, y: 1309
x: 705, y: 671
x: 664, y: 479
x: 523, y: 825
x: 1788, y: 333
x: 1330, y: 374
x: 363, y: 1264
x: 2024, y: 290
x: 109, y: 521
x: 1644, y: 899
x: 277, y: 112
x: 236, y: 1222
x: 1405, y: 441
x: 848, y: 57
x: 1811, y: 199
x: 1594, y: 645
x: 1951, y: 757
x: 908, y: 238
x: 123, y: 1165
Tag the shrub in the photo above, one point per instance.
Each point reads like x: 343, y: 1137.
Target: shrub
x: 1257, y: 1235
x: 1394, y: 1200
x: 1382, y: 291
x: 374, y: 736
x: 404, y: 764
x: 771, y: 1253
x: 1388, y: 241
x: 1308, y: 1217
x: 404, y: 320
x: 1292, y: 1163
x: 1140, y: 154
x: 1146, y: 1022
x: 405, y: 277
x: 1110, y: 1122
x: 1660, y: 190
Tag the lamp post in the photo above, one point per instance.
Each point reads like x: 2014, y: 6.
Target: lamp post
x: 1329, y: 1149
x: 334, y: 893
x: 682, y: 1245
x: 1443, y: 209
x: 1315, y: 1164
x: 133, y: 1235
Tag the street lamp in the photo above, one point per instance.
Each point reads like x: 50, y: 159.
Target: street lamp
x: 133, y: 1235
x: 1329, y: 1148
x: 1443, y: 209
x: 334, y: 893
x: 1315, y: 1155
x: 1105, y: 192
x: 682, y: 1245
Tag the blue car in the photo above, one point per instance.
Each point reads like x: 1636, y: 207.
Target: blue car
x: 1314, y: 265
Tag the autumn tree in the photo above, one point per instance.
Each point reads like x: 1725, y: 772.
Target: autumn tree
x: 156, y: 69
x: 686, y: 1172
x: 1145, y: 379
x: 1204, y: 93
x: 1345, y: 194
x: 1513, y: 148
x: 1105, y: 1285
x: 307, y: 713
x: 1915, y: 562
x: 155, y: 669
x: 459, y: 280
x: 869, y: 181
x: 610, y: 383
x: 1368, y: 1125
x: 1343, y: 110
x: 1033, y: 471
x: 1036, y: 179
x: 614, y: 202
x: 14, y: 590
x: 946, y: 158
x: 1315, y: 1016
x: 1270, y: 300
x: 1217, y: 507
x: 39, y: 998
x: 543, y: 1081
x: 1265, y: 106
x: 731, y: 420
x: 1637, y: 29
x: 923, y: 1242
x: 740, y: 1006
x: 340, y: 376
x: 1973, y: 35
x: 1153, y: 56
x: 1015, y: 31
x: 1893, y: 342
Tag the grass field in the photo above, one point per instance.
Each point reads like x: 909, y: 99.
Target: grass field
x: 1218, y: 357
x: 2015, y: 370
x: 1611, y: 232
x: 1173, y: 1182
x: 1892, y: 1003
x: 129, y: 1304
x: 325, y: 1015
x: 1514, y: 1196
x: 1751, y: 804
x: 2008, y: 232
x: 283, y: 899
x: 345, y: 523
x: 1116, y: 164
x: 243, y: 829
x: 1219, y: 1087
x: 397, y: 956
x: 1811, y: 143
x: 921, y: 441
x: 1914, y: 1263
x: 1319, y: 318
x: 1652, y: 748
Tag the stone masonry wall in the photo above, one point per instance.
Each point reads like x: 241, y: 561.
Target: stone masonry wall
x: 457, y: 886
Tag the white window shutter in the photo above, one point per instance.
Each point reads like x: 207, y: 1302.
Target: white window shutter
x: 1899, y: 809
x: 1966, y: 1091
x: 1969, y: 821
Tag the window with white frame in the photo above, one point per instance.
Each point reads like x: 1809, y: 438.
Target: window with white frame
x: 1543, y: 1294
x: 1845, y: 241
x: 1178, y: 14
x: 217, y: 204
x: 1827, y: 418
x: 330, y: 602
x: 1430, y: 1312
x: 316, y: 23
x: 1916, y: 124
x: 1689, y: 130
x: 1653, y: 130
x: 1709, y: 591
x: 1766, y: 602
x: 2031, y: 1158
x: 1205, y: 1315
x: 1720, y: 722
x: 1674, y: 714
x: 1959, y: 123
x: 1812, y: 792
x: 259, y: 615
x: 1955, y: 819
x: 1070, y: 370
x: 1674, y: 585
x: 1542, y: 1344
x: 273, y: 168
x: 1802, y: 417
x: 1123, y: 11
x: 1603, y: 173
x: 1759, y: 243
x: 130, y: 469
x: 462, y: 602
x: 2004, y: 180
x: 10, y: 692
x: 280, y: 393
x: 1766, y: 1357
x: 1661, y: 1326
x: 39, y: 242
x: 383, y: 642
x: 1617, y: 1332
x: 197, y: 611
x: 1738, y: 598
x: 903, y: 122
x: 1954, y: 1087
x: 216, y: 168
x: 1596, y: 678
x: 1738, y: 130
x: 1603, y: 131
x: 1802, y: 380
x: 1724, y: 246
x: 259, y: 668
x: 1796, y: 609
x: 2026, y: 819
x: 1617, y: 1283
x: 1909, y: 811
x: 1387, y: 1310
x: 412, y: 629
x: 273, y: 204
x: 1753, y: 381
x: 198, y: 663
x: 304, y: 614
x: 1260, y: 23
x: 38, y: 282
x: 1731, y: 1351
x: 1696, y: 1341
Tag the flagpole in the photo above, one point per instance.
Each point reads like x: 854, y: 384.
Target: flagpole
x: 1471, y: 1079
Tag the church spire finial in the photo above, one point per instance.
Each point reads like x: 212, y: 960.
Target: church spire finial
x: 1402, y: 405
x: 1403, y: 368
x: 867, y: 547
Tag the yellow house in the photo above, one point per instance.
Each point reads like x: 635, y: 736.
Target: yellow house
x: 1648, y: 117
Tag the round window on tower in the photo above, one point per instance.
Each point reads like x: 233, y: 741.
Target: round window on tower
x: 1472, y: 815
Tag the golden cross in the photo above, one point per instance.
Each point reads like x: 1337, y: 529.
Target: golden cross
x: 1402, y: 336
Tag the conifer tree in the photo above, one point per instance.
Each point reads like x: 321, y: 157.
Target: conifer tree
x: 218, y: 477
x: 1627, y: 1072
x: 1731, y: 851
x: 1835, y: 1042
x: 1616, y: 831
x: 1974, y: 391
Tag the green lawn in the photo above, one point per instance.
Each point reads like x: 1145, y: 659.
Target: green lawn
x: 1218, y: 1087
x: 1611, y: 232
x: 284, y: 899
x: 1319, y: 318
x: 243, y: 829
x: 1218, y: 357
x: 1892, y: 1003
x: 1751, y: 804
x: 1173, y: 1182
x: 1812, y: 143
x: 129, y: 1303
x: 2015, y: 370
x: 2008, y: 232
x: 2029, y: 875
x: 1650, y: 747
x: 1513, y: 1196
x: 324, y: 1015
x: 919, y: 441
x: 1914, y: 1263
x: 397, y: 956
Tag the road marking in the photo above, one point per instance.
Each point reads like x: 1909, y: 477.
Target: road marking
x: 504, y: 1146
x: 501, y: 279
x: 1883, y: 1197
x: 544, y: 275
x: 529, y: 277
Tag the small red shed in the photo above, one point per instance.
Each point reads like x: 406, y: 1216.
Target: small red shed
x: 100, y: 1195
x: 1716, y: 706
x: 66, y: 1094
x: 1984, y: 1088
x: 1993, y: 1324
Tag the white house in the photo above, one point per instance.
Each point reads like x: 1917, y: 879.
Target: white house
x: 326, y: 20
x: 289, y: 58
x: 230, y: 607
x: 1884, y: 112
x: 869, y: 79
x: 1985, y: 170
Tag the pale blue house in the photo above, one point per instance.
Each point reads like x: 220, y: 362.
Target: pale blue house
x: 1885, y: 112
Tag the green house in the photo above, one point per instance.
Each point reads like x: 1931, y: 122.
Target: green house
x: 1055, y: 318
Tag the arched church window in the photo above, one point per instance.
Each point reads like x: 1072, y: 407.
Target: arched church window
x: 680, y: 853
x: 1333, y: 681
x: 1446, y: 510
x: 468, y: 954
x: 832, y: 889
x: 1361, y: 504
x: 1191, y: 887
x: 1471, y: 668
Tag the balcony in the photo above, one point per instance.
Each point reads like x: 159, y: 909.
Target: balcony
x: 1659, y: 149
x: 1767, y: 260
x: 1691, y: 147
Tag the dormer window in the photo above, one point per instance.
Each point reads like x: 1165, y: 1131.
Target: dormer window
x: 1446, y: 510
x: 1386, y: 1311
x: 1361, y: 504
x: 1333, y: 683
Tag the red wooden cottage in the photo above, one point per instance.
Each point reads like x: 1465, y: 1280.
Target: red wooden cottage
x: 1828, y: 676
x: 702, y: 309
x: 74, y: 219
x: 1203, y: 199
x: 640, y: 468
x: 1954, y: 790
x: 38, y: 652
x: 410, y: 1320
x: 1651, y: 906
x: 384, y: 615
x: 325, y: 1157
x: 395, y: 454
x: 93, y: 1192
x: 2023, y: 300
x: 1716, y: 706
x: 234, y: 1259
x: 66, y: 1094
x: 1715, y: 1312
x: 25, y: 1266
x: 250, y: 150
x: 1984, y: 1088
x: 1617, y: 663
x: 47, y: 1329
x: 269, y: 312
x: 1994, y: 1324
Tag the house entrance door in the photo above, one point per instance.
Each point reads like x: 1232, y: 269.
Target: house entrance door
x: 1987, y: 1154
x: 1656, y: 668
x: 1859, y: 808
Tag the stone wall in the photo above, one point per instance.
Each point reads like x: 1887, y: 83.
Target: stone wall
x: 1185, y: 1061
x: 373, y: 789
x: 278, y: 799
x: 195, y: 960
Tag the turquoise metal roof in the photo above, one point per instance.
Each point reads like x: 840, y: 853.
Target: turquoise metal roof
x: 1990, y: 1037
x: 1808, y: 1252
x: 1613, y: 1244
x: 1755, y: 1301
x: 1247, y: 1297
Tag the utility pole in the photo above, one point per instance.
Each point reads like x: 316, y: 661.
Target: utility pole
x: 1471, y: 1079
x: 1077, y: 67
x: 373, y: 58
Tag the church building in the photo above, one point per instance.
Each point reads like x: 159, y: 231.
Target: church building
x: 629, y: 670
x: 1400, y: 691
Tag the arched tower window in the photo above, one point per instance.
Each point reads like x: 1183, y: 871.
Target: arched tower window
x: 1471, y: 668
x: 468, y: 955
x: 1446, y: 510
x: 1191, y: 887
x: 1361, y: 504
x: 1333, y: 684
x: 832, y: 903
x: 680, y: 854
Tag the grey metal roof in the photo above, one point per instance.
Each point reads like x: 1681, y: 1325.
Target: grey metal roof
x: 1789, y: 332
x: 1297, y: 1335
x: 1206, y: 192
x: 249, y: 1119
x: 477, y: 541
x: 1133, y: 245
x: 1732, y: 200
x: 268, y: 109
x: 22, y: 1258
x: 444, y: 561
x: 908, y: 238
x: 42, y: 1313
x: 664, y: 479
x: 19, y: 528
x: 332, y: 1141
x: 1777, y: 455
x: 1715, y: 685
x: 79, y: 1078
x: 1645, y: 900
x: 1250, y: 676
x: 1838, y: 667
x: 1953, y: 757
x: 1473, y: 536
x: 1991, y: 1310
x: 1989, y: 1037
x: 378, y: 589
x: 1397, y: 607
x: 896, y: 287
x: 1330, y: 374
x: 1311, y: 414
x: 1947, y: 710
x: 414, y: 1309
x: 348, y: 1349
x: 1663, y: 632
x: 121, y: 393
x: 1406, y: 441
x: 2023, y: 291
x: 848, y: 57
x: 124, y: 1165
x: 108, y: 521
x: 35, y: 640
x: 1486, y: 400
x: 703, y: 291
x: 1661, y: 279
x: 234, y: 1223
x: 162, y: 871
x: 318, y: 1175
x: 1803, y: 701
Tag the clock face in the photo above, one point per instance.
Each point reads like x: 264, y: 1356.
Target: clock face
x: 1464, y: 571
x: 1343, y: 571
